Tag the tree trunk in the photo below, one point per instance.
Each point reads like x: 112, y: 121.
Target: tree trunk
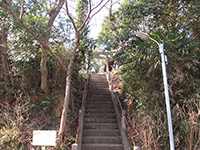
x: 43, y: 68
x: 43, y: 71
x: 43, y: 63
x: 4, y: 57
x: 69, y: 74
x: 67, y: 93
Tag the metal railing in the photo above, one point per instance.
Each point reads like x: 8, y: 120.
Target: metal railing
x: 124, y: 121
x: 78, y: 141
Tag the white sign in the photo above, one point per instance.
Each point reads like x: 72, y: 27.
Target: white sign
x: 44, y: 138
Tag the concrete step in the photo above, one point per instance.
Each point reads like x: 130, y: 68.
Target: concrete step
x: 102, y: 147
x: 99, y: 99
x: 103, y: 87
x: 100, y: 126
x: 98, y: 81
x: 98, y: 88
x: 98, y: 92
x: 100, y: 120
x: 100, y: 110
x: 100, y: 115
x: 102, y: 139
x: 99, y: 106
x: 99, y: 102
x: 98, y: 77
x: 94, y: 86
x: 97, y: 96
x: 98, y: 84
x: 100, y: 132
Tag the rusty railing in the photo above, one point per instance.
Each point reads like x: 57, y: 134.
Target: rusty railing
x: 78, y: 141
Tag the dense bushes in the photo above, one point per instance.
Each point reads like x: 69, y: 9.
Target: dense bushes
x: 141, y: 71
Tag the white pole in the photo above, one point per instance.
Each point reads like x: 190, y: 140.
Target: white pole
x: 145, y: 36
x: 171, y: 138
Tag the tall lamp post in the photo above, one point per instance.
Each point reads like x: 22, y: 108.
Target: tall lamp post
x: 146, y: 36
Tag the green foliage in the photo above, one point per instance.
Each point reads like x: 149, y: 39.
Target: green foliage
x: 173, y: 23
x: 81, y: 10
x: 84, y: 51
x: 25, y: 53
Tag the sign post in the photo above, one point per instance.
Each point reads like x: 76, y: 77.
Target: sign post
x: 44, y: 138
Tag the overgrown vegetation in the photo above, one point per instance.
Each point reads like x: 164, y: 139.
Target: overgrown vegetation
x: 24, y: 106
x: 18, y: 120
x: 173, y: 23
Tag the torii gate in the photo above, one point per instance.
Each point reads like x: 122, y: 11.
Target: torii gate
x: 109, y: 63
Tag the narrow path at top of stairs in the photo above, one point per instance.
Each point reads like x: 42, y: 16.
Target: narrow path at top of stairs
x: 100, y: 129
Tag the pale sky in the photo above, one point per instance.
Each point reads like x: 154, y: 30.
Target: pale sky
x: 97, y: 20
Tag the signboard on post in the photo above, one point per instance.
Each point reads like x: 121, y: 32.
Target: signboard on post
x: 44, y: 138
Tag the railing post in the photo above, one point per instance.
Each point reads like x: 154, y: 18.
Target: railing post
x: 78, y: 144
x: 123, y: 131
x: 80, y: 128
x: 123, y: 121
x: 74, y: 146
x: 107, y: 64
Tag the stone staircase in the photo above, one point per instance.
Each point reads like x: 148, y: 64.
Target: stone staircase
x: 100, y: 128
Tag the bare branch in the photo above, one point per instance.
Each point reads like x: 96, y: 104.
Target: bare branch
x: 45, y: 46
x: 98, y: 5
x: 97, y: 11
x: 22, y: 10
x: 70, y: 17
x: 110, y: 9
x: 54, y: 12
x: 88, y: 19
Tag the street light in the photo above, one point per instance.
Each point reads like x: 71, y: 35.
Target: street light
x: 146, y: 36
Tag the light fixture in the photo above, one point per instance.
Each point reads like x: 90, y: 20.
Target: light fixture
x: 146, y: 36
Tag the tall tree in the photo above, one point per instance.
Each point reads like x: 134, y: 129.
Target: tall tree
x: 5, y: 23
x: 4, y: 47
x: 53, y: 12
x: 79, y: 30
x: 83, y: 49
x: 43, y: 40
x: 29, y: 16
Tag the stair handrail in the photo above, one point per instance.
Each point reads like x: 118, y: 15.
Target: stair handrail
x: 131, y: 135
x: 115, y: 97
x: 124, y: 118
x: 78, y: 141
